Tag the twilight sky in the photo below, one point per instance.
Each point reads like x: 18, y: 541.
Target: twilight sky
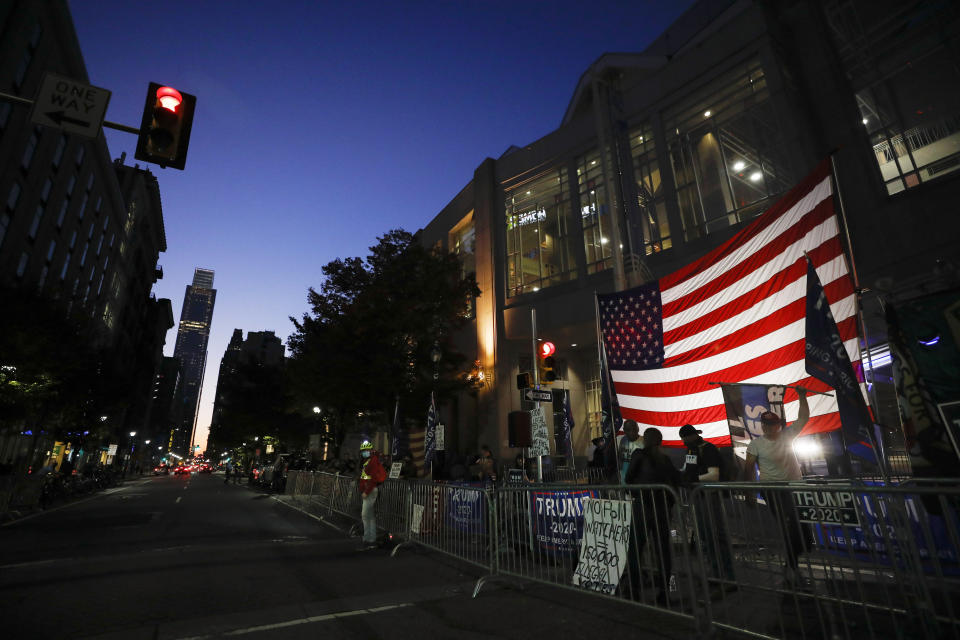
x: 321, y: 125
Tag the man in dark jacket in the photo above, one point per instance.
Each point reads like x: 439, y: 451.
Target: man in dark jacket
x: 703, y: 463
x: 372, y: 474
x: 651, y: 509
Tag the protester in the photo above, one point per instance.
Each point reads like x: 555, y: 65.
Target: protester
x: 408, y: 469
x: 773, y: 456
x: 651, y: 509
x: 372, y: 474
x: 227, y: 470
x: 486, y: 465
x: 704, y: 463
x: 629, y: 442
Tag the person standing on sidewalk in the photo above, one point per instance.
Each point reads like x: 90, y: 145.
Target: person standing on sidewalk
x: 372, y: 474
x: 773, y: 456
x: 629, y: 442
x: 703, y: 463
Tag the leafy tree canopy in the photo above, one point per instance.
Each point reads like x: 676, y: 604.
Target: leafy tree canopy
x: 372, y: 326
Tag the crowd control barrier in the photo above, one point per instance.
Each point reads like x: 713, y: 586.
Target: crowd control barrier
x: 828, y: 560
x: 780, y: 560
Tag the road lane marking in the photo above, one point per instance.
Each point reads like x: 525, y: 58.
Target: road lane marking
x: 180, y: 498
x: 298, y: 621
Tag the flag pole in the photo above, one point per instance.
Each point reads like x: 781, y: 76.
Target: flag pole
x: 752, y: 384
x: 606, y: 384
x: 861, y: 324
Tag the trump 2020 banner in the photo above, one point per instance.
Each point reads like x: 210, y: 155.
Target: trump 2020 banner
x: 466, y: 505
x: 558, y: 520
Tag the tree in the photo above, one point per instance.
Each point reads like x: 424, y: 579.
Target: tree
x: 57, y: 372
x: 372, y: 326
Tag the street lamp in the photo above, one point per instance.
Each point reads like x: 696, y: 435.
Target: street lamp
x: 316, y: 410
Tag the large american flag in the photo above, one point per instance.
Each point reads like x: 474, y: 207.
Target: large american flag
x: 735, y: 315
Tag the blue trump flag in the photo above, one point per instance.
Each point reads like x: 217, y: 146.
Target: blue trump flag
x: 827, y: 361
x: 610, y: 421
x: 566, y: 425
x: 430, y: 439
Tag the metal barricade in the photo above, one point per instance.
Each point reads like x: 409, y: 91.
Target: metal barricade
x: 454, y: 519
x: 827, y: 560
x: 393, y: 507
x: 626, y: 543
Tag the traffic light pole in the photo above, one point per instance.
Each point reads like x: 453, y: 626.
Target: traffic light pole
x: 536, y: 377
x: 106, y: 123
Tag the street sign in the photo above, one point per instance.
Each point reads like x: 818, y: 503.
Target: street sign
x: 538, y: 396
x: 72, y: 106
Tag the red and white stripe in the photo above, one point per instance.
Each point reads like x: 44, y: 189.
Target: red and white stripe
x: 738, y: 315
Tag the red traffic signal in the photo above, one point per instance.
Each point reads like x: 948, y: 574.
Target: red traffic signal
x: 547, y: 349
x: 165, y: 127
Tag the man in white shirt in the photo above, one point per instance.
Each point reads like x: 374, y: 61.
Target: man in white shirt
x: 772, y: 454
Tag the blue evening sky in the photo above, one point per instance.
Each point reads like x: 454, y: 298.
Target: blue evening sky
x: 320, y: 125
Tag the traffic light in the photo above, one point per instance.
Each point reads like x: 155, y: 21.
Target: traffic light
x: 165, y: 127
x: 524, y: 380
x: 547, y: 362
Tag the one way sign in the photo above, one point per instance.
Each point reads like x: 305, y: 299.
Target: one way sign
x: 538, y: 396
x: 72, y: 106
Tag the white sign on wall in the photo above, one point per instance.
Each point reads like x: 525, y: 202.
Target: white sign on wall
x: 439, y: 436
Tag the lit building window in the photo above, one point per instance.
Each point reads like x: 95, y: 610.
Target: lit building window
x: 4, y: 225
x: 594, y: 213
x: 900, y: 75
x: 648, y: 225
x: 83, y: 207
x: 30, y: 149
x: 14, y: 196
x: 51, y: 249
x: 538, y: 242
x: 63, y: 269
x: 35, y: 223
x: 6, y: 109
x: 729, y: 166
x: 63, y: 212
x: 22, y: 265
x: 58, y: 154
x: 462, y: 241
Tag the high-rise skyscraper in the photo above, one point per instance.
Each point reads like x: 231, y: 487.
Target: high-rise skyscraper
x: 191, y: 349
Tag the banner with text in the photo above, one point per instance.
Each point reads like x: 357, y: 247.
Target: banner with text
x: 558, y: 520
x: 604, y: 545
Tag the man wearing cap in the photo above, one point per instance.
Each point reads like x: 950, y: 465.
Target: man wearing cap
x: 372, y: 474
x: 703, y: 463
x: 772, y: 454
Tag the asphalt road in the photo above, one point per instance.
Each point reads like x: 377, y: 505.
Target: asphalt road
x: 170, y: 557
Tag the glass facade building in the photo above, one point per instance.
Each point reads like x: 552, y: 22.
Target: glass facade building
x: 665, y: 154
x: 191, y: 349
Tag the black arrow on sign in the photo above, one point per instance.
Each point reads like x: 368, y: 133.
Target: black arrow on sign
x: 58, y: 117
